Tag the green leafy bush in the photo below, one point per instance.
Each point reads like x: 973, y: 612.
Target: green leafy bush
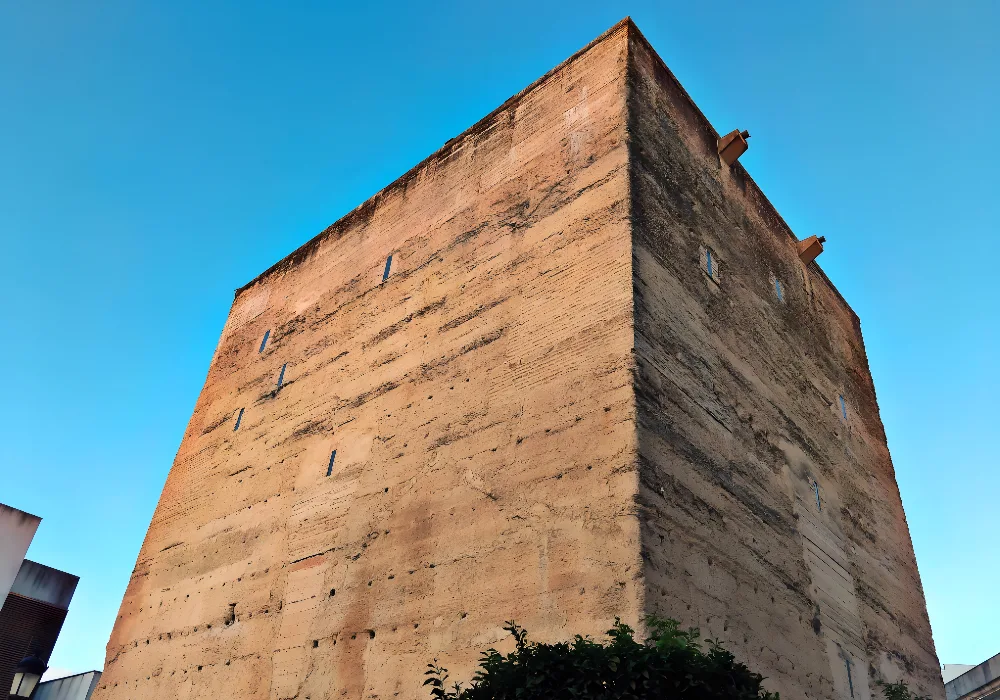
x: 899, y: 691
x: 670, y: 664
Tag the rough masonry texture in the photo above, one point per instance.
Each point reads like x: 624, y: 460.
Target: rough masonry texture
x: 544, y: 408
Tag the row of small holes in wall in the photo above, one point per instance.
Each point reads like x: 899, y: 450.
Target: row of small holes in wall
x: 369, y: 633
x: 230, y: 618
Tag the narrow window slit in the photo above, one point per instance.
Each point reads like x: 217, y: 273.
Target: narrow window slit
x: 388, y: 264
x: 778, y: 286
x: 239, y: 417
x: 710, y: 264
x: 281, y: 377
x: 329, y: 467
x: 263, y: 343
x: 850, y: 680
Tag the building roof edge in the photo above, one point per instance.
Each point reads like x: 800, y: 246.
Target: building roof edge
x: 737, y: 167
x: 366, y: 208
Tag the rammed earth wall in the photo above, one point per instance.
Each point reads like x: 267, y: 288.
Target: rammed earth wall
x: 541, y: 408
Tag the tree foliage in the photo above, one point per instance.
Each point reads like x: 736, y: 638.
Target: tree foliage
x: 899, y: 691
x: 672, y: 663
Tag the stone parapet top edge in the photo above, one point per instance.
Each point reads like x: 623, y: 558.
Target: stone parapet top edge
x: 367, y: 207
x: 737, y: 167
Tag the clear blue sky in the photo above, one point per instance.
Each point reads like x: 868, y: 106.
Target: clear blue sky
x: 155, y: 156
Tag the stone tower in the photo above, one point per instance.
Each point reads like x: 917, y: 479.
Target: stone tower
x: 570, y: 367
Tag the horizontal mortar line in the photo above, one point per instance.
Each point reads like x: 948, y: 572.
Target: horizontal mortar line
x: 840, y: 613
x: 817, y: 531
x: 841, y: 617
x: 825, y: 564
x: 848, y: 604
x: 843, y: 597
x: 847, y: 575
x: 855, y: 636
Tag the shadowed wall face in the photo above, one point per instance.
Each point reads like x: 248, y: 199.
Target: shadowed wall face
x: 568, y: 368
x: 452, y: 443
x: 770, y: 513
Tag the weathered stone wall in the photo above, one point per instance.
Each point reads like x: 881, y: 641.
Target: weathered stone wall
x: 481, y: 407
x: 548, y: 411
x: 740, y: 423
